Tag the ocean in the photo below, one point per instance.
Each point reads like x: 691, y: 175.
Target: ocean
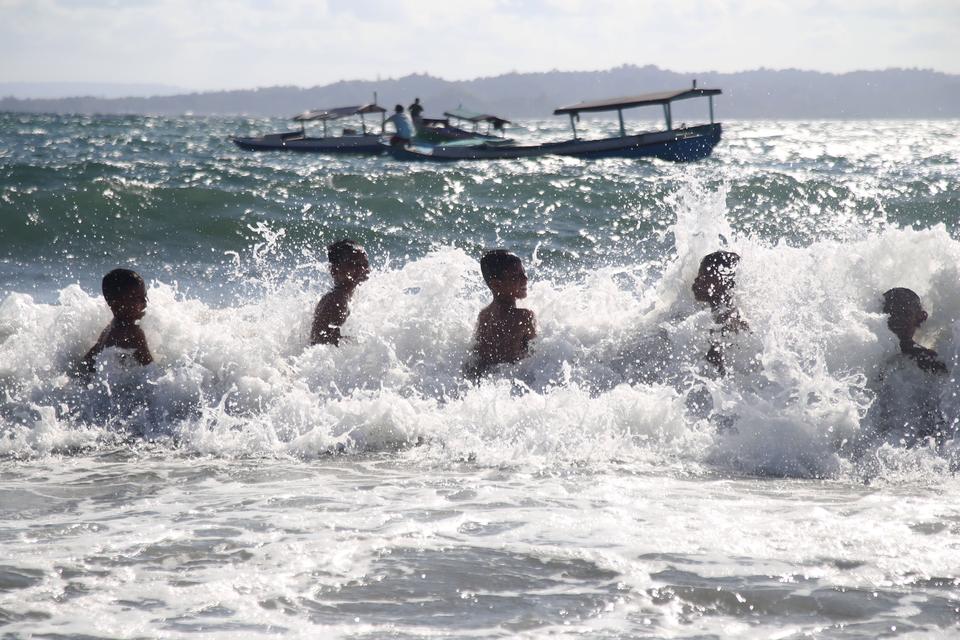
x: 608, y: 486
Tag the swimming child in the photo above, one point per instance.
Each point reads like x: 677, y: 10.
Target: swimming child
x: 349, y: 267
x: 907, y: 409
x: 714, y: 285
x: 126, y: 295
x: 906, y: 315
x: 503, y: 332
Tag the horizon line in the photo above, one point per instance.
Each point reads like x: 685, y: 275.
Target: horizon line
x: 427, y: 74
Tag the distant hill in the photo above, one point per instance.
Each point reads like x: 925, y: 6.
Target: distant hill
x: 31, y: 90
x: 762, y: 93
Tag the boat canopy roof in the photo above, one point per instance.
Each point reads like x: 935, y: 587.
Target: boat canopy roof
x: 626, y: 102
x: 473, y: 116
x: 339, y: 112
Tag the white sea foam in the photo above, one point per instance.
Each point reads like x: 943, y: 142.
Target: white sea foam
x: 610, y: 377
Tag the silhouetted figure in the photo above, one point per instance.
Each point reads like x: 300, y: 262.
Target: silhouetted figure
x: 906, y: 315
x: 714, y: 285
x: 126, y: 295
x: 415, y: 110
x: 907, y: 409
x: 349, y: 267
x: 503, y: 332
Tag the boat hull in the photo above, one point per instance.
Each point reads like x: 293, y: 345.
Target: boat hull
x: 678, y: 145
x: 369, y: 144
x: 295, y: 141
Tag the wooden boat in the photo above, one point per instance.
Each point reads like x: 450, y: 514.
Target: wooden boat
x: 495, y: 124
x: 349, y: 140
x: 684, y: 144
x: 440, y: 130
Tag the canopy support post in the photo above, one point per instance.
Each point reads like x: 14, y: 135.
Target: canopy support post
x: 667, y: 116
x: 573, y: 125
x: 711, y: 109
x: 383, y: 122
x: 324, y: 128
x: 623, y: 132
x: 363, y: 124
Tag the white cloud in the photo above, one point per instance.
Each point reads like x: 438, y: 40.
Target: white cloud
x: 245, y: 43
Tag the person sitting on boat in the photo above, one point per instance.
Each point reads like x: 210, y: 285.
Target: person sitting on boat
x: 714, y: 285
x: 404, y: 126
x: 415, y: 110
x: 349, y: 267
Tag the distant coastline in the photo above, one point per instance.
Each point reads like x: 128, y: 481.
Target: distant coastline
x: 757, y: 94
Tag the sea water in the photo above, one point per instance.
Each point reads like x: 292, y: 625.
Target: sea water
x: 248, y: 485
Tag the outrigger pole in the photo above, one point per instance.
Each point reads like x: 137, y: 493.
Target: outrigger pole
x: 383, y: 115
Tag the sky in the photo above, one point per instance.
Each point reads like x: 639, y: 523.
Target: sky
x: 231, y: 44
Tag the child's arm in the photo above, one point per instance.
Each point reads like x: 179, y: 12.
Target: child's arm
x: 140, y: 349
x: 927, y: 359
x: 90, y: 359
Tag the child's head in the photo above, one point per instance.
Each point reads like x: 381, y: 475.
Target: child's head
x: 503, y: 272
x: 126, y: 294
x: 905, y: 311
x: 398, y: 108
x: 714, y: 282
x: 348, y: 263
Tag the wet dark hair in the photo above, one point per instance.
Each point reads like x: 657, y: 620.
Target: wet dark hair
x: 398, y: 108
x: 343, y: 250
x: 494, y: 263
x: 119, y: 281
x: 720, y: 262
x: 900, y: 299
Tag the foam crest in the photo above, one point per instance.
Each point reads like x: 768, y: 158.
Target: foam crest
x: 617, y: 372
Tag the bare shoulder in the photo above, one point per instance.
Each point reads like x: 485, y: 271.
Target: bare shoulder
x: 486, y: 313
x: 331, y: 302
x: 325, y: 301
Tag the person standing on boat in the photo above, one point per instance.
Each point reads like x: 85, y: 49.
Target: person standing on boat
x: 415, y: 110
x: 404, y: 126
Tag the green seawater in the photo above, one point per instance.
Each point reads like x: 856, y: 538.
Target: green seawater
x: 174, y: 197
